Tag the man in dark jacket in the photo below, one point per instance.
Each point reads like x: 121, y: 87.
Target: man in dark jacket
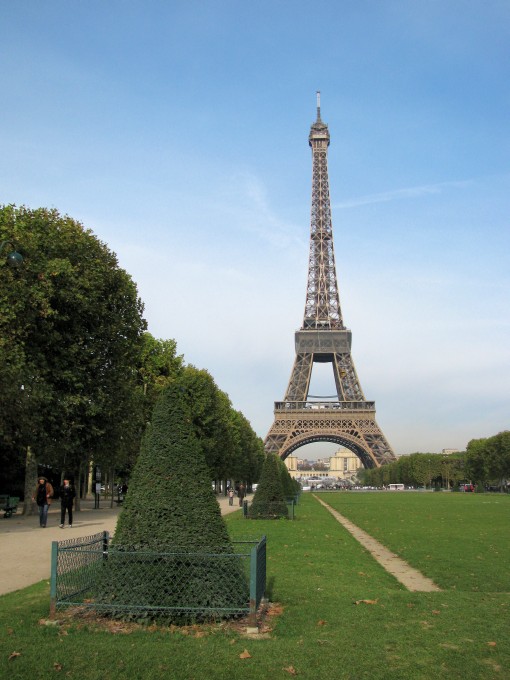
x: 67, y: 494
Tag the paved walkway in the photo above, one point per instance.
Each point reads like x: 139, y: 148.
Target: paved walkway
x: 410, y: 577
x: 26, y: 548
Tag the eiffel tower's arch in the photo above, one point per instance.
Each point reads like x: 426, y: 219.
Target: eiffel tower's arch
x: 348, y: 441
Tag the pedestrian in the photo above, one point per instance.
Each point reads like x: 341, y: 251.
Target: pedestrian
x: 42, y: 496
x: 67, y: 494
x: 241, y: 493
x: 231, y: 496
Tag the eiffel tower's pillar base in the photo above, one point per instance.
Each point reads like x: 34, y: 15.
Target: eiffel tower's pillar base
x: 349, y: 424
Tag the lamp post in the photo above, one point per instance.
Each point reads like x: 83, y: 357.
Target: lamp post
x: 13, y: 259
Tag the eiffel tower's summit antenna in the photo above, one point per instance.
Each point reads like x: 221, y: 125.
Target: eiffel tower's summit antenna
x: 319, y: 130
x: 350, y: 419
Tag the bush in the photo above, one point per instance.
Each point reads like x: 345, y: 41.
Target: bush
x: 171, y: 508
x: 269, y: 500
x: 290, y: 486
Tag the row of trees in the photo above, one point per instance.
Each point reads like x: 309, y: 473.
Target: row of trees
x: 488, y: 460
x: 79, y: 373
x: 485, y: 461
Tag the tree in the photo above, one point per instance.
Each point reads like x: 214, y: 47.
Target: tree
x: 497, y: 454
x: 290, y: 486
x: 159, y: 365
x: 170, y: 501
x: 249, y: 455
x: 476, y: 461
x: 210, y: 409
x: 71, y: 323
x: 171, y: 508
x: 425, y: 467
x: 269, y: 499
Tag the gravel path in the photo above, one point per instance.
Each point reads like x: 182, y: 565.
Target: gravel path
x: 26, y: 548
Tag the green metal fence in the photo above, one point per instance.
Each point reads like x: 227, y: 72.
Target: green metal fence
x: 88, y: 572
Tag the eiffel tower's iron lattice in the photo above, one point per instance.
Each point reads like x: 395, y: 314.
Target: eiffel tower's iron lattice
x: 323, y: 338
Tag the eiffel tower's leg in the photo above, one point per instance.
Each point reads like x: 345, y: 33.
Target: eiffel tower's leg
x: 381, y: 450
x: 297, y: 391
x: 346, y: 379
x: 299, y: 382
x: 275, y: 440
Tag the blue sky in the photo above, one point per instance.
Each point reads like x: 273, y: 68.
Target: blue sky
x: 178, y: 132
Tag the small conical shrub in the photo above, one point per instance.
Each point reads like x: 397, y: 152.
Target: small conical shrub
x: 290, y: 486
x: 171, y: 502
x: 269, y: 499
x: 171, y: 508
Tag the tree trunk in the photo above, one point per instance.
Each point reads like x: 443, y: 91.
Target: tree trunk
x: 30, y: 482
x: 77, y: 486
x: 112, y: 472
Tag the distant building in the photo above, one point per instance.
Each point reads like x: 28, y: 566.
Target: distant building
x: 343, y: 465
x: 448, y: 451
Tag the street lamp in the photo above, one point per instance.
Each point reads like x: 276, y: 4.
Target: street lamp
x: 14, y: 259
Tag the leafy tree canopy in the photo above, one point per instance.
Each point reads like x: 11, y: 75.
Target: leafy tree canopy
x: 71, y: 326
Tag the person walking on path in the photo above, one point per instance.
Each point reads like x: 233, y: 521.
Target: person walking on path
x: 241, y: 493
x: 231, y: 496
x: 42, y: 496
x: 67, y: 494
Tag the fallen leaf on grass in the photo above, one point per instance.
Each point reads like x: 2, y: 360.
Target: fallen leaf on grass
x: 291, y: 670
x: 13, y: 655
x: 492, y: 644
x: 436, y: 612
x: 321, y: 622
x: 275, y: 610
x: 245, y: 655
x: 366, y: 601
x: 57, y: 666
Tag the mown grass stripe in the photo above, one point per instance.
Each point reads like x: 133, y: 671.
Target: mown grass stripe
x: 411, y: 578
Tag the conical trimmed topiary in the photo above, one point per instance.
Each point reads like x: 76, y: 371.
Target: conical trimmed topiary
x: 171, y: 502
x: 290, y: 486
x: 171, y: 508
x: 269, y: 499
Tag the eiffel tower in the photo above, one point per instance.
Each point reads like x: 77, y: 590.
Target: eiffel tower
x: 348, y: 420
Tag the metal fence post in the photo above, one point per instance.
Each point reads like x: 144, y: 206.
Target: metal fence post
x: 53, y: 579
x: 106, y: 538
x: 252, y: 617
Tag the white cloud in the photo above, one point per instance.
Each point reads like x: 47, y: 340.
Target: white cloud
x: 400, y: 194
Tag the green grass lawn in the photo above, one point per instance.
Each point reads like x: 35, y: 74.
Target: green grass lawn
x: 459, y: 540
x: 317, y: 572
